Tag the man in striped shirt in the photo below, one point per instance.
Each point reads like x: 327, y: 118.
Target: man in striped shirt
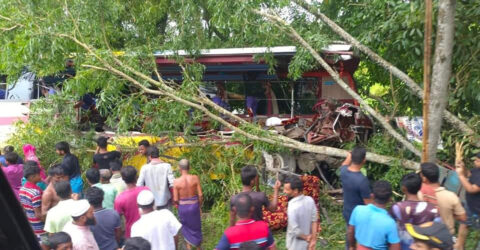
x: 31, y: 197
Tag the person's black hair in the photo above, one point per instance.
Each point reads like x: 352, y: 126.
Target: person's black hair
x: 93, y: 175
x: 249, y: 245
x: 247, y: 174
x: 144, y: 143
x: 11, y: 157
x: 56, y: 169
x: 102, y: 142
x: 129, y: 174
x: 382, y: 191
x: 295, y: 182
x: 243, y: 203
x: 430, y: 171
x: 153, y: 152
x: 63, y: 189
x: 94, y: 195
x: 8, y: 149
x: 30, y: 168
x: 358, y: 155
x: 63, y: 146
x: 412, y: 182
x: 137, y: 243
x: 115, y: 165
x: 56, y: 239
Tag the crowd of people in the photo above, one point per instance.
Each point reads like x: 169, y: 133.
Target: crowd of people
x: 131, y: 207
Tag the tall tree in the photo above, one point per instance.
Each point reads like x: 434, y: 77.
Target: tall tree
x: 441, y: 73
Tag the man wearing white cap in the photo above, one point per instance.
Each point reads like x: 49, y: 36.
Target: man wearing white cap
x: 159, y: 227
x: 78, y: 229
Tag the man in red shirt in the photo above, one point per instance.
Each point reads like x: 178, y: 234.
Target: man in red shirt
x: 246, y: 229
x: 126, y: 202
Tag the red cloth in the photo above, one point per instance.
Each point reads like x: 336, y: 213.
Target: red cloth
x: 278, y: 219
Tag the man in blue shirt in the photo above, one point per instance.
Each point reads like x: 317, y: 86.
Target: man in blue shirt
x: 356, y: 187
x: 370, y: 226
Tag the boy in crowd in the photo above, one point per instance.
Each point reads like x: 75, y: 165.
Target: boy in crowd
x: 14, y: 172
x: 370, y: 226
x: 103, y: 157
x: 249, y: 176
x: 71, y: 166
x: 6, y: 150
x: 31, y: 197
x: 101, y: 179
x: 412, y: 210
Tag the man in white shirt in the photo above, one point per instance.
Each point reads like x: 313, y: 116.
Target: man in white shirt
x: 158, y: 177
x: 302, y: 217
x: 79, y: 228
x: 159, y: 227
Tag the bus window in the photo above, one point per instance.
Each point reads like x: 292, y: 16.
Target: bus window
x: 305, y: 96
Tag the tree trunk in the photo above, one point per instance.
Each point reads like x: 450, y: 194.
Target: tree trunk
x: 442, y: 70
x: 414, y: 87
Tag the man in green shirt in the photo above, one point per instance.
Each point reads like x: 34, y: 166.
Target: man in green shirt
x: 59, y: 215
x: 101, y: 179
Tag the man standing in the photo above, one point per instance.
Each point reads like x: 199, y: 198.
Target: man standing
x: 355, y: 186
x: 158, y: 177
x: 70, y: 166
x: 412, y: 210
x: 159, y: 227
x: 78, y: 229
x: 448, y: 203
x: 94, y: 176
x: 187, y: 194
x: 302, y: 216
x: 249, y: 178
x: 107, y: 231
x: 103, y: 157
x: 246, y: 229
x: 49, y: 197
x: 31, y: 197
x: 116, y: 179
x: 472, y: 194
x: 370, y: 226
x: 59, y: 215
x: 14, y: 172
x: 126, y: 202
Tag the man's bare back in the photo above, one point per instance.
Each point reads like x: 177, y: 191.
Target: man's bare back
x: 187, y: 186
x: 49, y: 198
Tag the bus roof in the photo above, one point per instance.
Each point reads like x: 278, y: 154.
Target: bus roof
x: 279, y: 50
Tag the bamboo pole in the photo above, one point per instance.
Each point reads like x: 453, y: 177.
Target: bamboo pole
x: 427, y: 51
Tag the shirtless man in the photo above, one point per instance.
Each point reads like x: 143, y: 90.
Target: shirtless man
x: 187, y: 194
x: 49, y: 197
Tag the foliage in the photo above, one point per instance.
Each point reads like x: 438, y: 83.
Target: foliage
x: 44, y: 131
